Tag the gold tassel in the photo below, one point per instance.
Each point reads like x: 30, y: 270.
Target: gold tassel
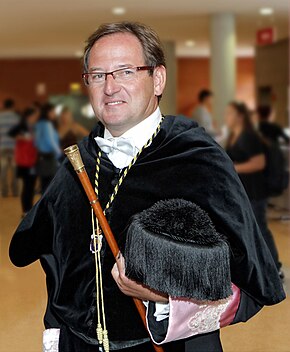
x: 106, y: 341
x: 99, y: 331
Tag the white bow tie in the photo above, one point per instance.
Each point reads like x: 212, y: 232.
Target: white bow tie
x: 120, y: 144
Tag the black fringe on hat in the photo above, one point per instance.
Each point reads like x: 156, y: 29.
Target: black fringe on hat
x: 173, y: 247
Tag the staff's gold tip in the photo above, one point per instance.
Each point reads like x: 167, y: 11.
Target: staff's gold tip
x: 74, y: 157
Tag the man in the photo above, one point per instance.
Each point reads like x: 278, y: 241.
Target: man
x: 202, y: 114
x: 135, y: 157
x: 8, y: 119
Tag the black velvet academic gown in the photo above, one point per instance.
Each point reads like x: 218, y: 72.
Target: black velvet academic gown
x: 182, y: 162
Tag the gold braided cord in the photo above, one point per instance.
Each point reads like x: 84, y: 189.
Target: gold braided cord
x: 102, y: 333
x: 99, y: 329
x: 105, y: 339
x: 97, y: 172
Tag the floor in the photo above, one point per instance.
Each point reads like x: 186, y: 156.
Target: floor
x: 23, y: 298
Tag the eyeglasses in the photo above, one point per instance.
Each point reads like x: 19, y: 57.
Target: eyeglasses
x: 120, y: 76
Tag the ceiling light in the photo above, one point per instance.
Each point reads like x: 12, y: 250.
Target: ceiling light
x: 190, y: 43
x: 266, y: 11
x: 118, y: 11
x: 75, y: 87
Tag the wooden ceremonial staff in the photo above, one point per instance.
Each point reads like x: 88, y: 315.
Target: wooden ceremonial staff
x: 75, y: 158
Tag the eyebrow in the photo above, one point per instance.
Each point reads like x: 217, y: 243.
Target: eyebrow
x: 92, y: 69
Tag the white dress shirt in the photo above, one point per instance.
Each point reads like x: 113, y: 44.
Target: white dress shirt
x: 137, y: 136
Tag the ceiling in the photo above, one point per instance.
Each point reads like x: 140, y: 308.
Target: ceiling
x: 58, y: 28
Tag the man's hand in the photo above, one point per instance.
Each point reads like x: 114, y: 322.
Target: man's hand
x: 133, y: 288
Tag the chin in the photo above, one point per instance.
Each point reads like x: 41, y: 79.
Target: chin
x: 114, y: 122
x: 113, y: 119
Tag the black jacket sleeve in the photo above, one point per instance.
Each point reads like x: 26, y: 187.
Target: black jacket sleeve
x: 248, y: 307
x: 33, y: 237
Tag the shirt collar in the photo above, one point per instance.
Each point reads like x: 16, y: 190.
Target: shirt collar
x: 140, y: 133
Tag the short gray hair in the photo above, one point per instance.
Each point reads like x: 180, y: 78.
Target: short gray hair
x: 151, y: 44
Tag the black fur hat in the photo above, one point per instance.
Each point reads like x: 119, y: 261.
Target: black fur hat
x: 173, y: 247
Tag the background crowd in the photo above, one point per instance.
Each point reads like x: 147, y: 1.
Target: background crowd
x: 31, y: 147
x: 32, y: 143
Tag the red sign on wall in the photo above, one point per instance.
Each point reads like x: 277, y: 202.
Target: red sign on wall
x: 266, y: 36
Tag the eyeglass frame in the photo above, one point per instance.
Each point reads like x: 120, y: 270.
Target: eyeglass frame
x: 85, y: 75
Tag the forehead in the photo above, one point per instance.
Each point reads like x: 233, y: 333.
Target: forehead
x: 114, y: 49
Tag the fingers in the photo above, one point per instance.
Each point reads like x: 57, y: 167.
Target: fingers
x: 115, y: 272
x: 130, y: 287
x: 118, y: 271
x: 120, y: 279
x: 120, y: 261
x: 127, y: 286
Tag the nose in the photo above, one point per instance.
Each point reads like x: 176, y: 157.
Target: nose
x: 111, y: 87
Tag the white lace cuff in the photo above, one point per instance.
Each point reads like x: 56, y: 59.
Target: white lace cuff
x: 50, y: 340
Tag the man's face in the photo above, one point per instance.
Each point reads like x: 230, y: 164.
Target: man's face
x: 120, y: 106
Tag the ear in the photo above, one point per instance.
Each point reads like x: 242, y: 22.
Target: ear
x: 159, y: 77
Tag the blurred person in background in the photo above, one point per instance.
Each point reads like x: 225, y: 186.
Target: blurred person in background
x: 202, y: 113
x: 70, y: 132
x: 48, y: 145
x: 277, y: 174
x: 246, y: 149
x: 26, y: 155
x: 8, y: 119
x: 269, y: 129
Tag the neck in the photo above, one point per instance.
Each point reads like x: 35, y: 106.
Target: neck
x: 117, y: 131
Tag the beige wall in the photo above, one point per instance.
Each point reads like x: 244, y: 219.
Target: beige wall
x: 272, y: 70
x: 168, y: 102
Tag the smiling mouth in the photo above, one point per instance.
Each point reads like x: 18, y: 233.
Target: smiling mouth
x: 112, y: 103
